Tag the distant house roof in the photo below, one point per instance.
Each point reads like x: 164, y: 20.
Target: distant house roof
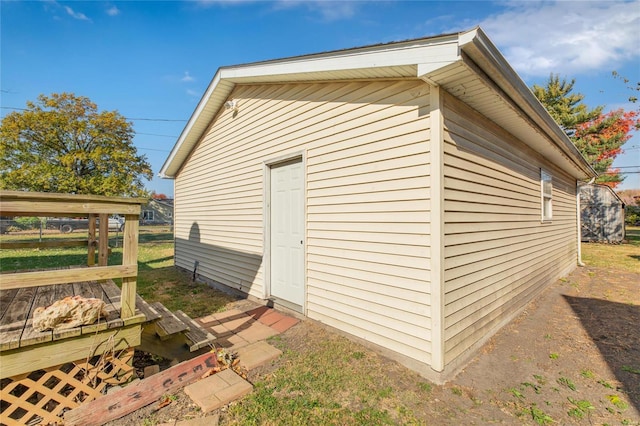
x: 166, y: 201
x: 465, y: 64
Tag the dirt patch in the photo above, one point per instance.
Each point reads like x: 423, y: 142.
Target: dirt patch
x: 572, y: 357
x: 579, y: 341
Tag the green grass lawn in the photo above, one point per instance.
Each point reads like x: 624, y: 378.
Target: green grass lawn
x: 158, y: 280
x: 333, y: 380
x: 620, y: 256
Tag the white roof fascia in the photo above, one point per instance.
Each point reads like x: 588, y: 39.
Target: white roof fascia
x: 439, y: 51
x: 168, y: 169
x: 428, y: 55
x: 387, y: 56
x: 478, y: 47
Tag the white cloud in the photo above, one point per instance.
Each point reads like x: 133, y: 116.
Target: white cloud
x: 539, y: 38
x: 76, y: 15
x: 113, y: 11
x: 191, y: 92
x: 187, y: 78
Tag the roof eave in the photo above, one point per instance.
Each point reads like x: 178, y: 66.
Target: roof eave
x: 302, y: 68
x: 171, y: 166
x: 444, y: 51
x: 478, y: 47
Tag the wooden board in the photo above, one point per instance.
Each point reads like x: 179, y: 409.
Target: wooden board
x: 93, y: 289
x: 169, y: 324
x: 16, y: 317
x: 44, y: 355
x: 13, y: 320
x: 144, y: 308
x: 196, y: 335
x: 103, y: 241
x: 111, y: 290
x: 129, y: 258
x: 112, y: 293
x: 140, y: 394
x: 91, y: 241
x: 62, y: 276
x: 44, y: 297
x: 62, y: 292
x: 6, y: 297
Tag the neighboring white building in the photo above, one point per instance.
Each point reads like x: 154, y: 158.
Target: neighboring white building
x: 157, y: 212
x: 415, y: 194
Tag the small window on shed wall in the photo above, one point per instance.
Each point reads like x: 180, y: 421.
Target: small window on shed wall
x: 546, y: 189
x: 147, y: 215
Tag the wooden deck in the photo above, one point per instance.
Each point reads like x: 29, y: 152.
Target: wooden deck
x: 17, y: 306
x: 45, y: 373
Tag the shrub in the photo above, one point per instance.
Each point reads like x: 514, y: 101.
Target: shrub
x: 25, y: 223
x: 632, y: 215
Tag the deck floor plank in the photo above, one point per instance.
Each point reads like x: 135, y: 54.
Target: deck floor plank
x: 6, y: 297
x: 16, y: 314
x: 45, y: 296
x: 13, y: 321
x: 169, y: 325
x: 197, y: 336
x: 112, y: 293
x: 145, y: 308
x: 95, y: 290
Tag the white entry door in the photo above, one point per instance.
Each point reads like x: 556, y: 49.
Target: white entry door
x: 287, y: 233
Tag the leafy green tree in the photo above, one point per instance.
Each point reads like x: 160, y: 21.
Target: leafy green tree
x: 62, y: 143
x: 566, y: 107
x: 599, y: 136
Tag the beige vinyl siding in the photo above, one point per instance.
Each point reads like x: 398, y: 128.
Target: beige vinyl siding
x: 367, y: 201
x: 498, y: 253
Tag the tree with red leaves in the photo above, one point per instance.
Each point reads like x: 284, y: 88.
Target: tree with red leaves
x: 600, y: 141
x: 599, y: 136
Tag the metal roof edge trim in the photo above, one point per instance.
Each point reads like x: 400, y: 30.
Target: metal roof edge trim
x: 187, y: 140
x: 522, y: 95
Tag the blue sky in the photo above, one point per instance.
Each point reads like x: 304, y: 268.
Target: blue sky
x: 154, y: 59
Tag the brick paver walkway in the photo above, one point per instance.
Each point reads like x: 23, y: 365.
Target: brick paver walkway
x: 235, y: 328
x: 244, y: 332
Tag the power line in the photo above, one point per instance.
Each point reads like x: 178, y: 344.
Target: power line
x: 128, y: 118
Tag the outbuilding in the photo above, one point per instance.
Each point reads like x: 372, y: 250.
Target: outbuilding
x: 414, y: 195
x: 601, y: 214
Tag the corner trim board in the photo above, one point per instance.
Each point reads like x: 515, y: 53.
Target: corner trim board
x: 437, y: 229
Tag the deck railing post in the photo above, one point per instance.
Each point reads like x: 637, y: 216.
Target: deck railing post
x: 103, y: 242
x: 91, y: 245
x: 129, y: 257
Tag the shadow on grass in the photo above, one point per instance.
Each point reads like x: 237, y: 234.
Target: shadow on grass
x: 163, y: 237
x: 613, y: 327
x: 50, y: 260
x: 633, y: 235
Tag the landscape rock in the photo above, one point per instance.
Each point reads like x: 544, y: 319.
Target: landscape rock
x: 72, y: 311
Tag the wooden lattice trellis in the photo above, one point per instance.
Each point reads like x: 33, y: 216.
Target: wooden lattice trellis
x: 42, y: 396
